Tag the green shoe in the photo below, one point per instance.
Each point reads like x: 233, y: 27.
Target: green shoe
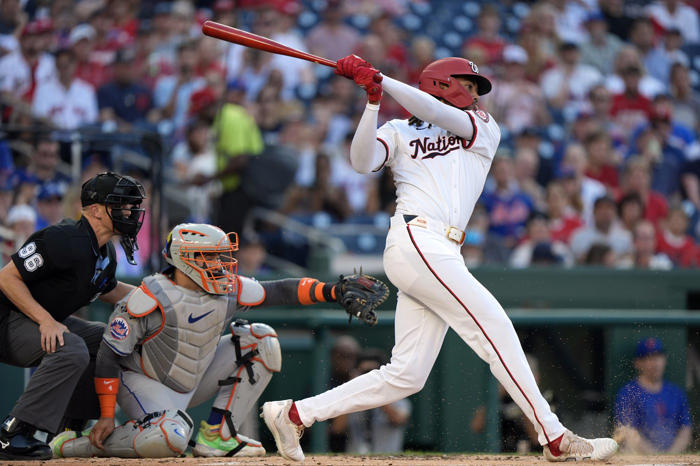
x: 210, y: 443
x: 58, y: 441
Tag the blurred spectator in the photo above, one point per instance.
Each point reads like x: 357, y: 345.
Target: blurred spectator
x: 642, y: 38
x: 605, y: 230
x: 251, y: 257
x: 658, y: 61
x: 581, y: 190
x: 82, y: 41
x: 422, y: 53
x: 43, y: 167
x: 49, y: 205
x: 172, y: 93
x: 538, y: 248
x: 21, y: 220
x: 630, y: 210
x: 562, y: 217
x: 617, y: 17
x: 601, y: 47
x: 344, y: 353
x: 508, y: 207
x: 600, y: 255
x: 24, y: 69
x: 672, y: 239
x: 630, y: 108
x: 568, y: 83
x: 525, y: 167
x: 124, y: 100
x: 642, y: 83
x: 378, y: 430
x: 601, y: 161
x: 7, y: 193
x: 332, y: 38
x: 540, y: 55
x: 569, y: 17
x: 395, y: 52
x: 636, y: 179
x: 515, y: 101
x: 651, y: 414
x: 12, y: 19
x: 600, y: 101
x: 487, y: 37
x: 237, y: 138
x: 675, y: 14
x: 645, y: 255
x: 685, y: 99
x: 66, y: 102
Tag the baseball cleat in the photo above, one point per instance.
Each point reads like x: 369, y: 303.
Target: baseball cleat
x: 210, y: 443
x: 575, y: 448
x: 285, y: 432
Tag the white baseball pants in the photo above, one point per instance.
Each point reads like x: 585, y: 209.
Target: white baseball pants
x: 436, y: 291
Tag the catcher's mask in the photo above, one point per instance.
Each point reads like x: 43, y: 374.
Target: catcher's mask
x: 123, y: 196
x: 205, y: 254
x: 438, y: 79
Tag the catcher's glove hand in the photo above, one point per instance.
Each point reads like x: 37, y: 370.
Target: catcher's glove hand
x: 360, y: 294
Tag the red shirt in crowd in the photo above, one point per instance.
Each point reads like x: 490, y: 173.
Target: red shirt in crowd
x: 682, y: 251
x: 493, y: 49
x: 607, y: 174
x: 655, y: 207
x: 633, y: 104
x: 561, y: 229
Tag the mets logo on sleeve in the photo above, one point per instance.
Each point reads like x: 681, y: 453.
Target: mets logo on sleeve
x: 482, y: 114
x: 119, y: 328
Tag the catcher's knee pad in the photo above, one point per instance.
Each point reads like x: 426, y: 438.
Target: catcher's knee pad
x: 257, y: 338
x: 162, y: 434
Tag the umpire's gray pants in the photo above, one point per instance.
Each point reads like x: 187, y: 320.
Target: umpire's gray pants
x: 51, y: 393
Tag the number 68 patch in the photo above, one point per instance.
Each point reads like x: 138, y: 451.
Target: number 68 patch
x: 32, y: 259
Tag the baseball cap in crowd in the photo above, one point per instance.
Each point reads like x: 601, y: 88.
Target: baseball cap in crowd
x: 80, y: 32
x: 20, y: 213
x: 568, y: 45
x: 50, y: 191
x: 603, y: 200
x: 514, y: 54
x: 649, y: 346
x: 38, y: 26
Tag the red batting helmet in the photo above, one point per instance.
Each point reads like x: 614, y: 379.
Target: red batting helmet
x: 437, y: 79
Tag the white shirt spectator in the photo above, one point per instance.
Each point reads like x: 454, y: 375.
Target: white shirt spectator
x: 16, y: 75
x: 649, y: 86
x: 166, y: 85
x: 619, y: 240
x: 579, y: 82
x: 68, y: 108
x: 292, y: 68
x: 685, y: 19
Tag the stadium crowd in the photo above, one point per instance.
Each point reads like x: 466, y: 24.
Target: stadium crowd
x: 599, y: 162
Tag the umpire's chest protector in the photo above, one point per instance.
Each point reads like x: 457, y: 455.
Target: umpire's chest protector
x: 180, y: 352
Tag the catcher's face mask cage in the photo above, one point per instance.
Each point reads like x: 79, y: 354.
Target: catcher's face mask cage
x: 205, y: 254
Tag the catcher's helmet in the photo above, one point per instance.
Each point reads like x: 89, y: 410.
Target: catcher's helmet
x: 437, y: 79
x: 123, y: 195
x: 205, y: 254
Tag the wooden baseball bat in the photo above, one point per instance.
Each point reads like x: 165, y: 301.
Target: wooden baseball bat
x: 248, y: 39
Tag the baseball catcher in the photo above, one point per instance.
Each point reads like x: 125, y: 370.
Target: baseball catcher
x: 162, y: 350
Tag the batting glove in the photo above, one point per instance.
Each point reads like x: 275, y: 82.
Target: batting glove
x: 370, y: 80
x: 347, y: 66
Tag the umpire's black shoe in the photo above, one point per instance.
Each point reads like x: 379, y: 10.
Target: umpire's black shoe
x: 18, y: 443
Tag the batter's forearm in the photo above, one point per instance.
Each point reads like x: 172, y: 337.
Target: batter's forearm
x: 366, y: 153
x: 16, y: 290
x: 427, y: 108
x: 296, y: 291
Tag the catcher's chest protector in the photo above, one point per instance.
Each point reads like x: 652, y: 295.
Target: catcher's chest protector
x: 182, y: 350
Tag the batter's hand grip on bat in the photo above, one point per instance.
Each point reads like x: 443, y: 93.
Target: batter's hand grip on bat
x: 248, y: 39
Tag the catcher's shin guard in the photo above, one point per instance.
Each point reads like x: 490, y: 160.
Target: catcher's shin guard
x: 160, y: 434
x: 258, y: 355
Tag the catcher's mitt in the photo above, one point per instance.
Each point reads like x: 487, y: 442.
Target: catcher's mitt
x: 360, y: 294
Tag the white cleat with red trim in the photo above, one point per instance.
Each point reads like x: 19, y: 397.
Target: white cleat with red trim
x: 285, y: 432
x: 574, y: 448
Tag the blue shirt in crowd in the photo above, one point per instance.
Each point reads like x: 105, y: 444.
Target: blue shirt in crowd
x: 657, y: 416
x: 508, y: 212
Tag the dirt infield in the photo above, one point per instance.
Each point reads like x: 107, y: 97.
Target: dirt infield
x: 326, y: 460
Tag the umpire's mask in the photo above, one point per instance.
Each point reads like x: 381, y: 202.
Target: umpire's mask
x: 123, y: 196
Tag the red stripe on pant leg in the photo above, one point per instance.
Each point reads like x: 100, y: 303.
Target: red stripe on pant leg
x: 425, y: 261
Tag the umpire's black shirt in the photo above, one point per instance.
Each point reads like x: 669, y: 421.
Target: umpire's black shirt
x: 64, y: 269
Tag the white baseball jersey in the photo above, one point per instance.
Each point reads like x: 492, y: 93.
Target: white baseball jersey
x: 437, y: 174
x: 66, y: 108
x: 16, y: 75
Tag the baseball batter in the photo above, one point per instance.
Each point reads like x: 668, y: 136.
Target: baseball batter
x: 162, y: 351
x: 440, y: 159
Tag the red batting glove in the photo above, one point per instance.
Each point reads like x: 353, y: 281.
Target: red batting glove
x: 370, y: 79
x: 347, y: 66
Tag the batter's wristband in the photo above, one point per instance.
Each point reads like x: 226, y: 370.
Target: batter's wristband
x: 106, y: 389
x: 312, y: 291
